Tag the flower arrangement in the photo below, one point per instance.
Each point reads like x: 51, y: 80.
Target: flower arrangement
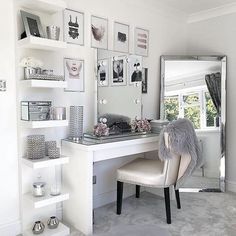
x: 31, y: 62
x: 101, y: 129
x: 142, y: 125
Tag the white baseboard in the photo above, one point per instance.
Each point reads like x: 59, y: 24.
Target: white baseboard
x: 230, y: 186
x: 12, y: 228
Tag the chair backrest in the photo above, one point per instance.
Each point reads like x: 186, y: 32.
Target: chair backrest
x: 175, y: 167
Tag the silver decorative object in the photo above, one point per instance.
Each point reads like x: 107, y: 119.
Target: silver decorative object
x: 39, y: 189
x: 38, y: 227
x: 54, y: 153
x: 53, y: 32
x: 58, y: 113
x: 35, y: 146
x: 76, y: 122
x: 53, y: 222
x: 45, y: 77
x: 29, y: 71
x: 50, y: 145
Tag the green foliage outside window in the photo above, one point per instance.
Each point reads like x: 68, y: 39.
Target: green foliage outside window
x: 171, y: 108
x: 210, y: 110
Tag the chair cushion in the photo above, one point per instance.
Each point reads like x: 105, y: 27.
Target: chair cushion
x: 143, y: 172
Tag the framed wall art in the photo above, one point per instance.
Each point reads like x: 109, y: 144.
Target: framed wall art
x: 32, y: 24
x: 99, y: 32
x: 73, y: 27
x: 135, y: 69
x: 103, y: 72
x: 74, y: 74
x: 118, y: 71
x: 121, y: 37
x: 141, y: 41
x: 145, y: 80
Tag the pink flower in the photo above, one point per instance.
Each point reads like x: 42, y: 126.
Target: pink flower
x: 101, y: 129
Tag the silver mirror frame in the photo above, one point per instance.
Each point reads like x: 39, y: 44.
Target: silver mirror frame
x: 223, y: 60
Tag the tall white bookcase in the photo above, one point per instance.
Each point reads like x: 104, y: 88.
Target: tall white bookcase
x: 33, y: 208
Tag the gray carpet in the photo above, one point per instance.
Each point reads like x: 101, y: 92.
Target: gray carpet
x: 136, y: 230
x: 202, y: 214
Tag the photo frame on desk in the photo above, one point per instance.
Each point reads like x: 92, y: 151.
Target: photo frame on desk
x: 32, y: 24
x: 74, y: 75
x: 74, y: 27
x: 118, y: 71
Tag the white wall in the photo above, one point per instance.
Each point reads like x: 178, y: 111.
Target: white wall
x: 9, y: 204
x: 167, y: 36
x: 217, y: 36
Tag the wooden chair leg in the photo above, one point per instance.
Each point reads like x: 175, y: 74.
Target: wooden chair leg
x: 137, y: 191
x: 177, y: 198
x: 119, y: 197
x: 167, y: 204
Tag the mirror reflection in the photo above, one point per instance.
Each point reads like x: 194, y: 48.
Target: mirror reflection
x: 119, y: 89
x: 193, y: 89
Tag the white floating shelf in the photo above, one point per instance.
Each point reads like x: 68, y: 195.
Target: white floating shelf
x: 61, y: 230
x: 43, y: 124
x: 46, y: 200
x: 33, y: 42
x: 33, y: 83
x: 47, y: 6
x: 45, y: 162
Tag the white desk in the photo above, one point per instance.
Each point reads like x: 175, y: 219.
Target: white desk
x: 78, y: 173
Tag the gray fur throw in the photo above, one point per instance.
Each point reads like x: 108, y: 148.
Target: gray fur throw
x: 182, y: 140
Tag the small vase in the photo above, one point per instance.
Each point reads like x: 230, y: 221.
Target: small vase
x: 53, y: 222
x: 29, y: 71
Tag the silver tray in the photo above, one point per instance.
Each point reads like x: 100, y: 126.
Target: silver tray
x: 46, y: 77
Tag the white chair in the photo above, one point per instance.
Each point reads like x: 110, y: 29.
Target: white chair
x: 153, y: 173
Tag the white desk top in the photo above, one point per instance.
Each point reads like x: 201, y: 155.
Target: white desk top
x: 94, y: 145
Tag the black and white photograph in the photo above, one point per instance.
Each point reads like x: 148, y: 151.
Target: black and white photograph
x: 73, y: 27
x: 144, y: 80
x: 99, y: 32
x: 74, y: 74
x: 121, y: 37
x: 118, y: 71
x: 135, y: 69
x: 141, y: 41
x: 32, y: 24
x: 103, y: 73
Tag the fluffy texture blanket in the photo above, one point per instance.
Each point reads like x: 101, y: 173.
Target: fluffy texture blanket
x: 182, y: 139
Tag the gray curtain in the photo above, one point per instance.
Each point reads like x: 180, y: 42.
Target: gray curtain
x: 213, y: 82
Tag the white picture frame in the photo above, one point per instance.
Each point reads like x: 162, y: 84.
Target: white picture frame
x: 135, y: 65
x: 103, y: 73
x: 118, y: 71
x: 121, y: 37
x: 74, y: 27
x: 141, y: 41
x: 74, y: 74
x: 99, y: 32
x: 32, y: 25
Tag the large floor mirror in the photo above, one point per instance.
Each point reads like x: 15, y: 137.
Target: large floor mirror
x: 194, y: 87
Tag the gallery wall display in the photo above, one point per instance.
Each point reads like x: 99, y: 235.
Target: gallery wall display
x: 32, y: 24
x: 99, y: 32
x: 73, y: 27
x: 74, y: 74
x: 135, y: 69
x: 103, y: 72
x: 121, y: 37
x: 141, y: 41
x: 145, y: 80
x: 118, y: 71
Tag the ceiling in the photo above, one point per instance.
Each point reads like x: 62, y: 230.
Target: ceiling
x: 194, y: 6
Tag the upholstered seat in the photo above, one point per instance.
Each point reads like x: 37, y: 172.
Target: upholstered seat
x: 153, y: 173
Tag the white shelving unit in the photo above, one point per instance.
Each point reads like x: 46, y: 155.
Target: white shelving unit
x: 29, y: 211
x: 61, y: 230
x: 47, y: 6
x: 43, y: 84
x: 32, y: 42
x: 38, y: 202
x: 45, y: 162
x: 43, y: 124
